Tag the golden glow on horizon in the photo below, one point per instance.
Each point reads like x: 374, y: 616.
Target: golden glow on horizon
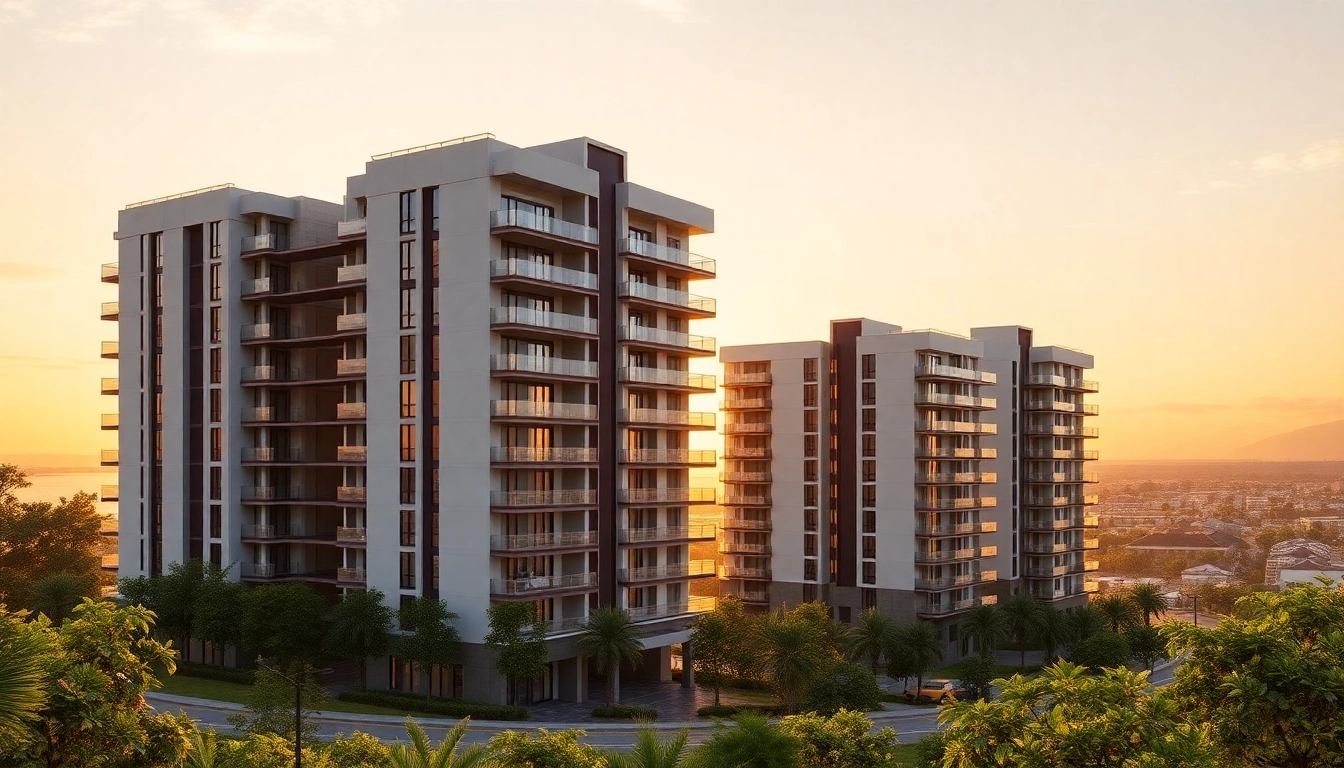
x: 1161, y: 185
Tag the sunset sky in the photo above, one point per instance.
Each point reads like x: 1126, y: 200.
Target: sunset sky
x: 1161, y: 184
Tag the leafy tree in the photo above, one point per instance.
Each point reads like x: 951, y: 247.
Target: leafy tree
x: 610, y: 642
x: 1270, y: 683
x: 1104, y: 649
x: 1022, y: 618
x: 361, y: 627
x: 752, y: 743
x: 842, y: 740
x: 830, y: 633
x: 791, y: 652
x: 869, y: 638
x: 650, y: 751
x: 22, y: 681
x: 432, y: 640
x: 41, y: 539
x: 420, y: 753
x: 1083, y: 622
x: 977, y: 673
x: 175, y: 598
x: 518, y: 642
x: 920, y: 648
x: 1118, y: 611
x: 283, y: 622
x: 1149, y: 601
x: 1146, y: 645
x: 841, y: 685
x: 545, y: 749
x: 219, y: 603
x: 717, y: 638
x: 987, y: 625
x: 1065, y: 717
x: 57, y: 595
x: 1052, y: 630
x: 96, y: 668
x: 270, y: 703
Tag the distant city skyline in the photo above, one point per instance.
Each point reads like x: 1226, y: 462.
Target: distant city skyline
x: 1140, y: 167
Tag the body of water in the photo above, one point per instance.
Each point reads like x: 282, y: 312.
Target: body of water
x: 54, y: 486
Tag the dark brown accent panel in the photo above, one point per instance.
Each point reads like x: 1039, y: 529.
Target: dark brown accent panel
x: 193, y: 248
x: 844, y: 344
x: 427, y: 380
x: 602, y: 214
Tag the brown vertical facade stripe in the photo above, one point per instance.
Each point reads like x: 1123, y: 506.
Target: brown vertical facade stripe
x: 844, y: 345
x: 427, y: 380
x: 193, y: 248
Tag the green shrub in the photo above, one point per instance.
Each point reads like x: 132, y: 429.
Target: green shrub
x: 445, y: 707
x: 213, y: 672
x: 842, y: 685
x: 733, y: 710
x: 626, y: 712
x: 893, y: 697
x: 929, y: 750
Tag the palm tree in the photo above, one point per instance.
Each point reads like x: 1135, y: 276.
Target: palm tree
x: 420, y: 753
x: 204, y: 749
x: 753, y: 743
x: 610, y: 641
x: 1149, y: 600
x: 986, y: 624
x: 57, y: 595
x: 22, y: 680
x: 1081, y: 623
x: 921, y: 646
x: 1022, y: 617
x: 1053, y: 631
x: 361, y: 627
x: 651, y: 752
x: 870, y: 637
x: 790, y: 654
x: 1118, y: 611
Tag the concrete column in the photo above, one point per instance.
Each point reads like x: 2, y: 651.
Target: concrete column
x: 687, y: 665
x: 665, y: 664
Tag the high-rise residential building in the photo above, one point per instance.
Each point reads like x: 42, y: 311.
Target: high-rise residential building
x: 921, y: 473
x: 471, y: 380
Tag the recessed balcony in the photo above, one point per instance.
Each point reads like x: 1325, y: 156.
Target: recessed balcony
x: 953, y: 478
x: 743, y: 548
x: 550, y: 321
x: 540, y: 585
x: 743, y: 523
x: 957, y: 427
x: 659, y: 337
x: 956, y: 529
x: 547, y: 226
x: 109, y: 457
x: 694, y: 265
x: 1045, y: 547
x: 522, y: 270
x: 109, y: 386
x: 544, y: 366
x: 669, y: 572
x: 690, y: 607
x: 109, y: 493
x: 565, y: 455
x: 666, y: 534
x: 110, y: 421
x: 953, y: 555
x: 955, y: 401
x: 1059, y: 431
x: 926, y: 452
x: 748, y: 596
x: 1046, y: 573
x: 1055, y: 478
x: 110, y: 310
x: 744, y: 477
x: 111, y: 272
x: 351, y: 575
x: 556, y: 540
x: 357, y: 366
x: 352, y: 493
x: 352, y: 322
x: 701, y: 382
x: 954, y: 373
x: 670, y: 456
x: 352, y: 228
x: 954, y: 582
x: 745, y: 500
x: 269, y: 453
x: 734, y: 572
x: 746, y: 404
x: 352, y: 410
x: 350, y: 535
x: 665, y: 495
x: 266, y: 531
x: 1062, y: 455
x: 746, y: 379
x: 111, y: 350
x: 745, y: 452
x: 661, y: 417
x: 352, y: 273
x: 578, y: 497
x: 271, y: 241
x: 1062, y: 382
x: 275, y: 493
x: 954, y: 606
x: 652, y: 294
x: 1059, y: 406
x: 533, y: 410
x: 746, y: 428
x: 978, y: 502
x: 1051, y: 524
x: 355, y: 453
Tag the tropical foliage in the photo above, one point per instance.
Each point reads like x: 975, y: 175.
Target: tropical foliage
x: 40, y: 540
x: 610, y: 642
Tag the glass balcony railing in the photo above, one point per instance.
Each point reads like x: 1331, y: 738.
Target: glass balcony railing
x: 745, y: 379
x: 743, y: 523
x: 743, y: 548
x: 687, y: 607
x: 555, y: 540
x: 518, y: 455
x: 110, y: 310
x: 746, y: 428
x: 545, y: 273
x: 641, y: 333
x: 668, y: 456
x: 109, y: 493
x: 666, y: 533
x: 508, y: 219
x: 956, y: 477
x: 981, y: 502
x: 665, y: 495
x: 737, y: 572
x: 936, y: 452
x: 352, y: 227
x: 952, y: 372
x: 745, y: 500
x: 352, y: 367
x: 1064, y: 455
x: 109, y: 457
x: 746, y: 404
x: 700, y: 419
x: 1061, y: 431
x: 532, y: 584
x: 111, y: 272
x: 669, y: 571
x: 270, y: 453
x: 638, y: 290
x: 1062, y: 382
x: 555, y: 366
x: 541, y: 319
x: 111, y: 350
x: 534, y: 410
x: 110, y: 385
x: 668, y: 255
x: 668, y: 377
x: 1061, y: 406
x: 110, y: 421
x: 744, y: 477
x: 574, y: 497
x: 352, y: 273
x: 953, y: 582
x: 961, y: 427
x: 352, y: 322
x: 268, y: 242
x: 956, y: 401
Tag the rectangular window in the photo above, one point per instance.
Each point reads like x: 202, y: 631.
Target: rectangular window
x: 407, y: 308
x: 433, y: 401
x: 408, y: 570
x: 216, y: 282
x: 216, y: 524
x: 809, y: 571
x: 216, y: 444
x: 810, y: 446
x: 870, y: 495
x: 870, y: 521
x: 216, y: 555
x: 642, y: 235
x: 408, y: 442
x: 869, y: 598
x: 434, y: 260
x: 870, y: 547
x: 408, y: 213
x: 869, y: 573
x: 216, y: 333
x: 809, y: 395
x: 433, y: 442
x: 870, y: 393
x: 408, y: 485
x: 870, y: 471
x: 809, y: 495
x: 408, y: 354
x: 810, y: 590
x: 408, y: 528
x: 809, y: 545
x: 407, y: 399
x: 407, y: 261
x: 216, y: 405
x: 810, y: 369
x: 434, y: 307
x: 809, y: 519
x: 216, y: 482
x: 869, y: 419
x: 216, y: 242
x: 870, y: 366
x: 674, y: 243
x: 870, y: 445
x: 846, y: 614
x: 216, y: 366
x: 810, y: 471
x: 434, y: 210
x: 809, y: 421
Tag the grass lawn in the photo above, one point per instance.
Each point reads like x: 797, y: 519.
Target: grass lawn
x: 905, y: 756
x: 748, y: 696
x: 201, y: 688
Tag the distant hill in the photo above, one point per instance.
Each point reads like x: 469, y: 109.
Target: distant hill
x: 1323, y: 442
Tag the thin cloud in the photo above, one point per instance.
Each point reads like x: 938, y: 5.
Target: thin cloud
x: 1322, y: 155
x: 13, y: 271
x: 677, y: 11
x: 15, y: 10
x: 94, y: 19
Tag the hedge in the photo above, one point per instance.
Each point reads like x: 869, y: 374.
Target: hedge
x: 435, y: 706
x: 626, y: 712
x: 213, y: 672
x: 732, y: 710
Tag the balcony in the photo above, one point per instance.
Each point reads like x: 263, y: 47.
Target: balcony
x: 561, y: 626
x: 352, y: 493
x: 546, y: 225
x: 256, y: 570
x: 351, y: 575
x: 1062, y: 382
x: 111, y: 272
x: 352, y: 273
x: 692, y: 419
x: 514, y: 455
x: 538, y: 584
x: 935, y: 478
x: 662, y: 376
x: 697, y: 458
x: 1051, y: 524
x: 1059, y: 406
x: 746, y: 379
x: 666, y: 533
x: 352, y: 228
x: 733, y: 572
x: 642, y: 334
x: 504, y: 269
x: 951, y: 372
x: 109, y: 457
x: 665, y: 495
x: 268, y: 242
x: 741, y: 523
x: 958, y: 427
x: 957, y: 529
x: 1052, y: 478
x: 1046, y: 573
x: 530, y: 409
x: 273, y: 493
x: 110, y: 421
x: 927, y: 452
x: 690, y: 606
x: 955, y: 401
x: 266, y: 453
x: 703, y: 266
x: 953, y: 555
x: 533, y: 318
x: 1065, y: 455
x: 1058, y: 431
x: 111, y: 310
x: 272, y: 531
x: 746, y: 428
x: 746, y: 404
x: 745, y: 452
x: 584, y: 497
x: 745, y: 500
x: 357, y: 453
x: 545, y: 366
x: 956, y: 581
x: 671, y: 571
x: 1059, y: 501
x: 1090, y: 586
x: 109, y: 493
x: 111, y: 350
x: 1091, y: 521
x: 681, y: 299
x: 109, y: 386
x: 357, y: 366
x: 352, y: 410
x: 744, y: 477
x: 955, y: 606
x: 523, y: 542
x: 979, y: 502
x: 743, y: 548
x: 1091, y: 543
x: 352, y: 322
x: 346, y: 535
x: 1045, y: 548
x: 749, y: 596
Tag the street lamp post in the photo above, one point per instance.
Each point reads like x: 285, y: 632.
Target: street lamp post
x: 299, y: 681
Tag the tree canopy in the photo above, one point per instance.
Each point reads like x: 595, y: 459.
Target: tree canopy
x: 43, y: 539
